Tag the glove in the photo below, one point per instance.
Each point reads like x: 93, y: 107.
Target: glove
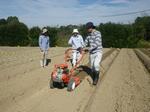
x: 79, y: 49
x: 86, y: 50
x: 91, y: 50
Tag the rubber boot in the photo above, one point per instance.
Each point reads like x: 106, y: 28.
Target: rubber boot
x: 95, y: 77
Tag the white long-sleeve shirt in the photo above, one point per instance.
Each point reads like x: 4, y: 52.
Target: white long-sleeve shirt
x: 76, y: 41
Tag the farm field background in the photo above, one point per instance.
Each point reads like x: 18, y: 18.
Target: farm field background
x: 124, y: 84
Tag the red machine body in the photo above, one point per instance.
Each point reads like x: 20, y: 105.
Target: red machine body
x: 63, y: 76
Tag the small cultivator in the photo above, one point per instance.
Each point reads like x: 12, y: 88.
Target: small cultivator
x: 62, y: 76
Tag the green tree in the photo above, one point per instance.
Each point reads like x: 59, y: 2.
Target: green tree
x: 142, y: 28
x: 83, y: 31
x: 52, y: 32
x: 34, y: 33
x: 13, y: 33
x: 117, y: 35
x: 17, y: 34
x: 3, y: 22
x: 63, y: 35
x: 12, y: 19
x: 3, y: 35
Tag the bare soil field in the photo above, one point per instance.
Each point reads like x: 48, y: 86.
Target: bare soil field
x: 146, y: 51
x: 124, y: 84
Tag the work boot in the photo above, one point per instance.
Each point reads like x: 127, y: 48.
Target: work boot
x: 95, y: 77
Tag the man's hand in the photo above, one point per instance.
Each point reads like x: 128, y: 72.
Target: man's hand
x: 91, y: 50
x: 86, y: 50
x: 79, y: 49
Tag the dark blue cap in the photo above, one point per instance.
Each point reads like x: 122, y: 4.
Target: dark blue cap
x: 90, y: 25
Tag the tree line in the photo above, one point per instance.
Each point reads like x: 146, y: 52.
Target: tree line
x: 16, y: 33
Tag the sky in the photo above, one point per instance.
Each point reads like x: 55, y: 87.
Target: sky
x: 64, y: 12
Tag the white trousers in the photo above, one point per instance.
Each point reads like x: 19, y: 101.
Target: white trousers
x: 95, y: 60
x: 75, y: 57
x: 43, y: 60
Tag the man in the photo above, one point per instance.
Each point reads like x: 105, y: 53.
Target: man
x: 77, y: 43
x: 44, y: 46
x: 95, y: 50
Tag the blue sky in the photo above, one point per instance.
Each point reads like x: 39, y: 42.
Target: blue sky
x: 64, y: 12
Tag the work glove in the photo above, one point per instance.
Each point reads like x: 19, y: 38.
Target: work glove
x: 91, y: 50
x: 79, y: 49
x: 86, y: 50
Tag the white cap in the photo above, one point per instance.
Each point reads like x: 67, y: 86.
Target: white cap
x: 75, y: 31
x: 44, y: 30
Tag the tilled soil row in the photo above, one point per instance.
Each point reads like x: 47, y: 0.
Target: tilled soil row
x: 108, y: 59
x: 145, y: 51
x: 144, y: 58
x: 125, y: 87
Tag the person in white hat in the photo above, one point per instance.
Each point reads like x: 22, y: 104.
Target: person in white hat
x: 44, y: 46
x: 77, y: 43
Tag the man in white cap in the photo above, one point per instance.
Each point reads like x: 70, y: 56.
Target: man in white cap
x: 77, y: 43
x: 44, y: 46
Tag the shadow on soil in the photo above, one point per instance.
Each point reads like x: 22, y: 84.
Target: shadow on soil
x: 84, y: 71
x: 48, y: 61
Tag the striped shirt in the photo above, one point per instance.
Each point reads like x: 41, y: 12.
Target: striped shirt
x: 94, y: 40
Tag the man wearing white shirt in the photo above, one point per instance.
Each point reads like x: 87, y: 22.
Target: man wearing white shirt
x: 77, y: 43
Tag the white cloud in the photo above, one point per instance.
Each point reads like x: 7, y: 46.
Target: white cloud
x: 118, y: 1
x: 57, y: 12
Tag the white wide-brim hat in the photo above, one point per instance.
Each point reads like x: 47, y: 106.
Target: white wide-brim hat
x: 44, y: 30
x: 75, y: 31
